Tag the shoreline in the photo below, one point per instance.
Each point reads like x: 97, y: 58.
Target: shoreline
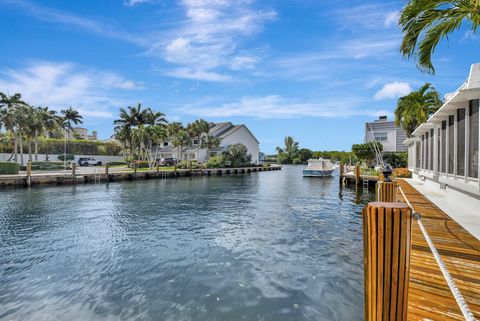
x: 68, y: 178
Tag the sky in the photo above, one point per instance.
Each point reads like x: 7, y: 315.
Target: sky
x: 312, y: 69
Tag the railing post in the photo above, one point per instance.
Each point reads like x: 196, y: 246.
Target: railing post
x: 386, y: 191
x: 387, y: 246
x: 29, y: 173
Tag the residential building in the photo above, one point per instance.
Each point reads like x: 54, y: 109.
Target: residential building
x: 226, y: 132
x: 81, y: 133
x: 444, y: 151
x: 385, y: 132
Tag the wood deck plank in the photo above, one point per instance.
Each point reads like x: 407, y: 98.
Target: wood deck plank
x: 429, y: 295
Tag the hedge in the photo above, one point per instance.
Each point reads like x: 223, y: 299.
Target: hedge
x: 77, y: 147
x: 8, y: 168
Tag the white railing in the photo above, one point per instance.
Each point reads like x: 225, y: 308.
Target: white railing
x: 462, y: 304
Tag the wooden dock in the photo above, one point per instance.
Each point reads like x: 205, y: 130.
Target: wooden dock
x: 429, y: 295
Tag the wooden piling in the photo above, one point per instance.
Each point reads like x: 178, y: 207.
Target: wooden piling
x: 74, y: 168
x: 387, y: 229
x: 135, y: 166
x: 386, y: 191
x: 357, y: 174
x: 29, y: 173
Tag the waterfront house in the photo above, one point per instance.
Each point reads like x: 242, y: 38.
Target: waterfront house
x: 385, y: 132
x: 443, y: 152
x: 226, y: 132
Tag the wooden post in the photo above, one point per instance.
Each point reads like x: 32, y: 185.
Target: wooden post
x: 158, y: 167
x: 357, y: 174
x: 341, y: 170
x: 386, y: 191
x: 107, y: 170
x: 387, y: 245
x: 135, y: 165
x: 29, y: 173
x: 74, y: 167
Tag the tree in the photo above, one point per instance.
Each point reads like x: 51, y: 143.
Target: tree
x: 210, y: 142
x: 196, y: 130
x: 366, y: 152
x: 425, y: 22
x: 237, y: 155
x: 287, y: 154
x: 416, y: 107
x: 305, y: 154
x: 180, y: 140
x: 11, y: 118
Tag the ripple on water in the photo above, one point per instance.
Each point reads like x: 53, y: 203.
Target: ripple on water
x: 267, y: 246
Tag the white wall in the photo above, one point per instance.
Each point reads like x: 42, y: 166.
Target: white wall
x: 54, y: 157
x: 243, y: 136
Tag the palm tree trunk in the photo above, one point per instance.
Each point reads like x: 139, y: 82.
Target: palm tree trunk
x: 36, y: 145
x: 29, y: 143
x: 15, y: 147
x: 21, y: 148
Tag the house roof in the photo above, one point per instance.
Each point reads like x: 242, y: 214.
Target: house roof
x: 467, y: 91
x: 222, y: 130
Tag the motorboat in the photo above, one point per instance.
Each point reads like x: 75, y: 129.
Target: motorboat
x: 318, y: 168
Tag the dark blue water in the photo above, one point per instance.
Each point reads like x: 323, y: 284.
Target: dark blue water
x: 266, y: 246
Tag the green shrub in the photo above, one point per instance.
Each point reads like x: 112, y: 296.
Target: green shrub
x: 9, y: 168
x: 68, y: 157
x: 217, y: 161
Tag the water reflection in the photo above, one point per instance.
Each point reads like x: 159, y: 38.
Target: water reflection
x: 267, y: 246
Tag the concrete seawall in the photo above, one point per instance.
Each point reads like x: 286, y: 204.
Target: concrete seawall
x: 101, y: 176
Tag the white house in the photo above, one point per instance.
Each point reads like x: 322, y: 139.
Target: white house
x: 384, y: 131
x: 227, y: 133
x: 443, y: 153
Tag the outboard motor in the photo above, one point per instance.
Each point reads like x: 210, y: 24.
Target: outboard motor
x: 387, y: 171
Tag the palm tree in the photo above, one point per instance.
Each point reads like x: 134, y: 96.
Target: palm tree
x: 50, y: 124
x: 210, y: 142
x: 70, y: 116
x: 416, y: 107
x: 11, y: 119
x: 197, y: 129
x: 425, y: 22
x: 290, y: 151
x: 180, y: 140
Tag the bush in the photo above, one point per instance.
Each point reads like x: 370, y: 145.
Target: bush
x: 402, y: 173
x: 237, y: 156
x: 217, y: 161
x: 68, y: 157
x: 9, y: 168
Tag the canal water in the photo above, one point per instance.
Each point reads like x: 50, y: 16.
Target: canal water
x: 262, y: 246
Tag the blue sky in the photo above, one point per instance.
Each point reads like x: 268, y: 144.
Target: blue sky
x: 314, y: 70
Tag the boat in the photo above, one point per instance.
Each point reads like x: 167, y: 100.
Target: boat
x: 318, y: 168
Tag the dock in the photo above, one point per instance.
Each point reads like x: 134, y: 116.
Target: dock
x: 96, y: 175
x: 429, y: 296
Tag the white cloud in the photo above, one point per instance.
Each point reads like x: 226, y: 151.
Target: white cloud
x: 59, y: 85
x: 132, y: 3
x: 208, y: 41
x: 393, y: 90
x: 391, y: 19
x: 274, y: 107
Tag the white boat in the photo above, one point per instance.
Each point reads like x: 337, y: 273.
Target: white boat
x: 318, y: 168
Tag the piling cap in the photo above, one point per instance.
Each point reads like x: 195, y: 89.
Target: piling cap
x: 387, y: 171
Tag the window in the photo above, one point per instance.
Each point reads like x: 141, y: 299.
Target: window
x: 195, y: 142
x: 427, y: 151
x: 473, y: 139
x: 451, y: 142
x: 423, y: 152
x: 381, y: 136
x: 461, y: 141
x: 443, y: 136
x: 165, y: 143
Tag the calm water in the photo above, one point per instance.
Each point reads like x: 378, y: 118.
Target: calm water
x: 266, y: 246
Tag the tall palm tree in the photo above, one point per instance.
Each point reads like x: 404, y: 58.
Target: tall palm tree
x: 425, y: 22
x: 290, y: 151
x: 70, y: 116
x: 415, y: 108
x: 11, y: 117
x: 180, y: 140
x: 210, y: 142
x: 197, y: 129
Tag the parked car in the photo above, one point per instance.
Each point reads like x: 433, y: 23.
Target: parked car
x: 87, y: 161
x: 168, y: 161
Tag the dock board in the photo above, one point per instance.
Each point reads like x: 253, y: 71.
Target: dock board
x: 429, y: 295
